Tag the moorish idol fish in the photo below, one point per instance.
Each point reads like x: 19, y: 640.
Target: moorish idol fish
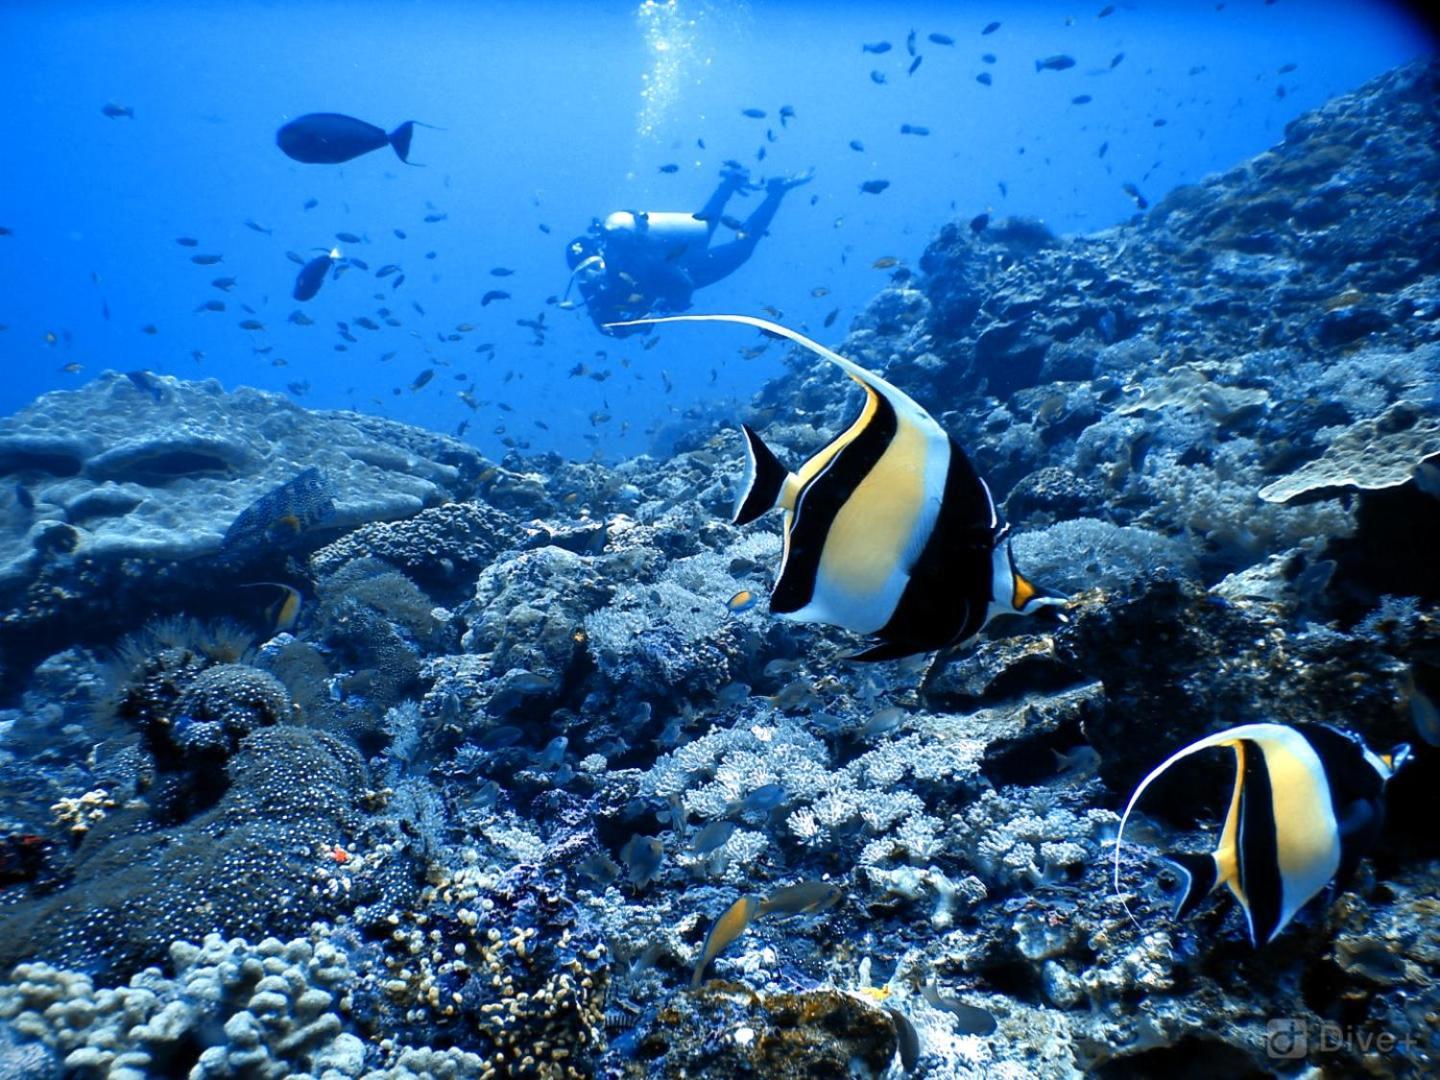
x: 284, y: 613
x: 889, y: 531
x: 1308, y: 802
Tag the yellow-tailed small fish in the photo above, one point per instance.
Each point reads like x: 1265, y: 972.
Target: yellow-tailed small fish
x: 723, y: 931
x: 1308, y: 802
x: 889, y: 531
x: 741, y: 602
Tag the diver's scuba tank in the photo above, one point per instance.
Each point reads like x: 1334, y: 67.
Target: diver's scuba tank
x: 662, y: 226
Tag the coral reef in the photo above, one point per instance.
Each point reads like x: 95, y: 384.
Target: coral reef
x: 473, y: 811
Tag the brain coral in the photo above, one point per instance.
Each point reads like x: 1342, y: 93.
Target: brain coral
x: 243, y: 868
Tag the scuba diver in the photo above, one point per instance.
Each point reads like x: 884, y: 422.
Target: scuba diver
x: 637, y: 263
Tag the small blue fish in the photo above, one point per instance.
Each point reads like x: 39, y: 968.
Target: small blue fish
x: 763, y: 799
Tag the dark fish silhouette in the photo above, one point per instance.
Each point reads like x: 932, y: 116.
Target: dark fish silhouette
x: 877, y: 48
x: 991, y: 28
x: 874, y: 187
x: 1055, y: 63
x: 330, y: 138
x: 942, y: 39
x: 493, y: 294
x: 115, y: 112
x: 312, y: 275
x: 984, y: 78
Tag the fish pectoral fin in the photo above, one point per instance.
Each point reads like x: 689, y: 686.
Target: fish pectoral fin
x: 884, y: 650
x: 764, y: 480
x: 1200, y: 874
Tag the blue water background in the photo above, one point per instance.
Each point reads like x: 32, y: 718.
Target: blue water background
x: 552, y: 114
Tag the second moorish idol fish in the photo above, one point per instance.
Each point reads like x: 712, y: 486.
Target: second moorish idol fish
x: 1308, y: 802
x: 330, y: 138
x: 889, y: 531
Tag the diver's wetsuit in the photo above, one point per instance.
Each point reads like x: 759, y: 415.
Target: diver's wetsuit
x: 638, y: 264
x: 715, y: 263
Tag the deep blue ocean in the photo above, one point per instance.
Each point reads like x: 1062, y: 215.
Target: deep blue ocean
x: 547, y: 115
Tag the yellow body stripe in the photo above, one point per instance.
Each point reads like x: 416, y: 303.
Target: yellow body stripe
x: 875, y: 528
x: 1227, y: 854
x: 813, y: 467
x: 1306, y: 846
x: 796, y: 483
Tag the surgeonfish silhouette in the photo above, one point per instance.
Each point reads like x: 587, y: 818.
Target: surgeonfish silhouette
x: 331, y: 138
x: 889, y: 531
x: 1308, y: 803
x: 312, y: 275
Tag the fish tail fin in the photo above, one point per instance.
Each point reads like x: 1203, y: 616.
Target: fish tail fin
x: 400, y: 140
x: 1201, y: 875
x: 764, y: 480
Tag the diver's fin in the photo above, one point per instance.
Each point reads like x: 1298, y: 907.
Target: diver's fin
x: 1200, y: 875
x: 763, y: 482
x: 400, y: 140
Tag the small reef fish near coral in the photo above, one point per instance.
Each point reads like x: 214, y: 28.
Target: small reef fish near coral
x: 402, y: 678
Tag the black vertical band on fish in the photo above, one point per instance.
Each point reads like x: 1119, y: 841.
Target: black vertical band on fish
x: 853, y: 457
x: 1262, y: 890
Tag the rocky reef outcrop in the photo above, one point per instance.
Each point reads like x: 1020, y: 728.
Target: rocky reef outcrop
x: 479, y: 807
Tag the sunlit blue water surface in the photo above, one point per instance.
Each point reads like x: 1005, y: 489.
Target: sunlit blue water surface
x: 551, y: 114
